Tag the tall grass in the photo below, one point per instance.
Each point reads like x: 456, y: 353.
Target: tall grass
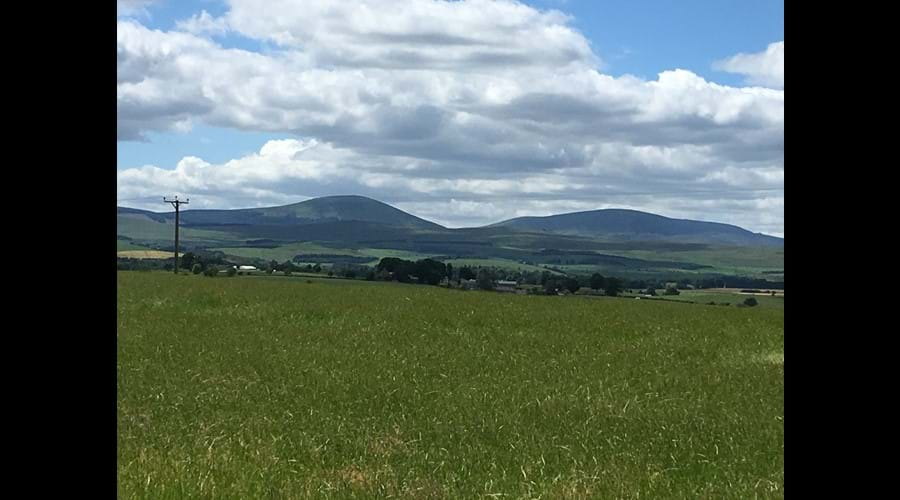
x: 279, y: 388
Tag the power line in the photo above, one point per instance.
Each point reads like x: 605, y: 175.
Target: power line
x: 176, y: 203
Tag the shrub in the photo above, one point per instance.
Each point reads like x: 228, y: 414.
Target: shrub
x: 484, y: 280
x: 671, y: 291
x: 750, y: 301
x: 613, y: 287
x: 197, y: 269
x: 231, y: 271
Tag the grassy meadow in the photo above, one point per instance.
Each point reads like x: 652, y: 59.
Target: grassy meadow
x: 278, y: 387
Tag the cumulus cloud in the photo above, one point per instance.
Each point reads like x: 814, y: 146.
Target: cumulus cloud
x: 203, y: 23
x: 415, y: 34
x: 453, y: 109
x: 762, y: 68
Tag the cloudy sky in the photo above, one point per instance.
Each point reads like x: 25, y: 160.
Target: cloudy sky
x: 462, y: 112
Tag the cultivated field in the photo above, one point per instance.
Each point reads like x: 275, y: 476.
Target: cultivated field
x: 276, y: 387
x: 730, y: 297
x: 147, y: 254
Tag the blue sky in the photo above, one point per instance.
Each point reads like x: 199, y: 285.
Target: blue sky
x: 639, y: 38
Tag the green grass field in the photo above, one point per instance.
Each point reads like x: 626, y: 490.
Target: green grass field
x: 710, y: 295
x: 743, y: 261
x: 143, y: 228
x: 499, y: 263
x: 272, y: 387
x: 287, y: 252
x: 123, y: 245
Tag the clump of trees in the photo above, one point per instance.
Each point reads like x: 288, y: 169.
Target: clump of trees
x: 571, y: 284
x: 426, y: 271
x: 467, y: 273
x: 484, y: 279
x: 613, y: 287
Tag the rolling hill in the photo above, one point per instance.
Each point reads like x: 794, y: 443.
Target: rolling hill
x: 315, y: 211
x: 359, y: 229
x: 631, y: 225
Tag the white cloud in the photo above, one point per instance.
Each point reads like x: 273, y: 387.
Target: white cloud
x: 414, y: 34
x: 761, y: 68
x: 203, y: 23
x: 449, y: 105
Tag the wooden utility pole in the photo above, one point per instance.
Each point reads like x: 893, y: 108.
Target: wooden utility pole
x: 176, y: 203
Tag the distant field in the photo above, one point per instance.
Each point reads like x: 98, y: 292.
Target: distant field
x: 147, y: 254
x: 140, y: 227
x: 284, y: 252
x: 287, y: 252
x: 499, y: 263
x: 744, y: 261
x: 122, y: 245
x: 272, y: 387
x: 728, y: 297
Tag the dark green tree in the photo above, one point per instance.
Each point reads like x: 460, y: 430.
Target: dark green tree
x: 430, y: 271
x: 466, y: 273
x: 390, y: 264
x: 484, y: 280
x: 186, y: 261
x: 613, y: 287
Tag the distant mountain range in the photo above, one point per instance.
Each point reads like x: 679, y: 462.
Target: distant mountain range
x: 641, y: 226
x: 356, y: 229
x: 615, y: 224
